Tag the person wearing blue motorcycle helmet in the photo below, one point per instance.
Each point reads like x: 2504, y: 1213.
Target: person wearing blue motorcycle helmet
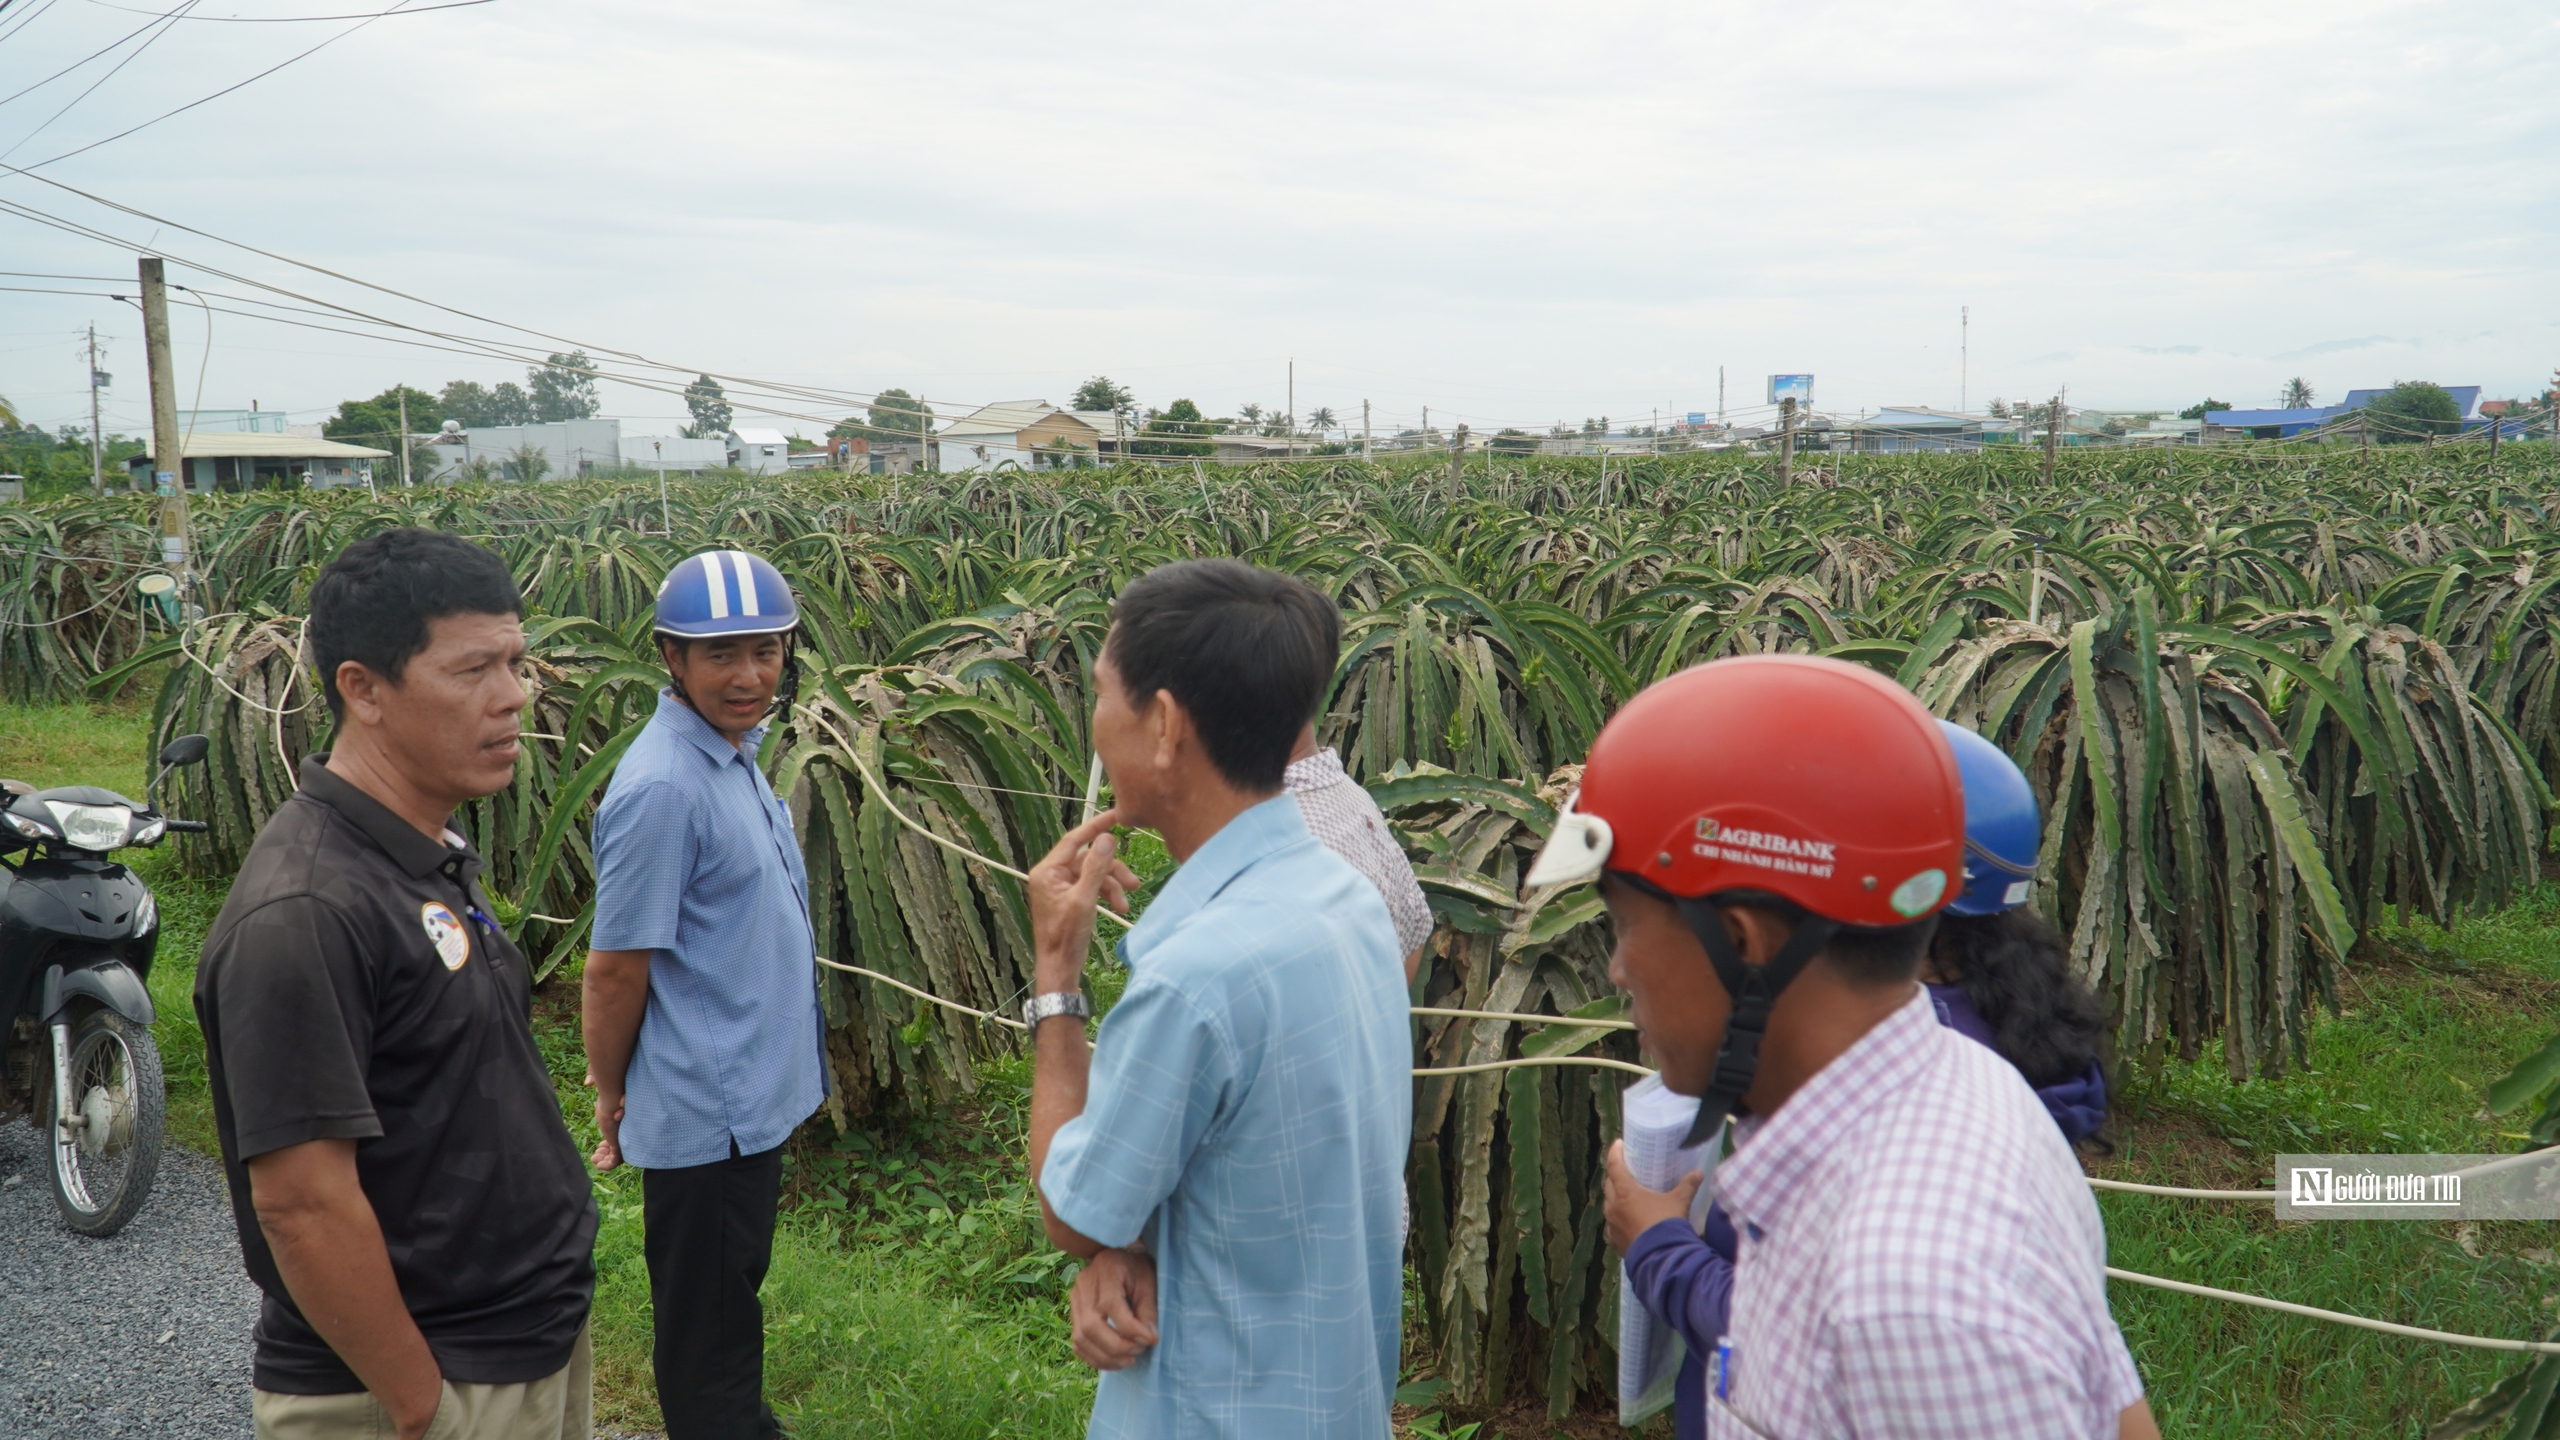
x: 704, y: 1036
x: 1996, y: 973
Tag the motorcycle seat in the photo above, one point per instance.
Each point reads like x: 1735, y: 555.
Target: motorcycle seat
x: 15, y: 787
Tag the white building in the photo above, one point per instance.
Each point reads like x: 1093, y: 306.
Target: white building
x: 760, y: 452
x: 1026, y: 432
x: 674, y: 452
x: 560, y: 450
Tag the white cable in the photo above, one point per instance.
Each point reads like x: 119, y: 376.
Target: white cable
x: 2179, y: 1191
x: 1524, y: 1015
x: 2442, y: 1337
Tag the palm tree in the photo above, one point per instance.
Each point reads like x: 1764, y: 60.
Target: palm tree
x: 8, y: 414
x: 2297, y: 395
x: 1251, y: 415
x: 1323, y: 420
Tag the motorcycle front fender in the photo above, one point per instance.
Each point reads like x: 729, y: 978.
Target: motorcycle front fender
x: 109, y: 983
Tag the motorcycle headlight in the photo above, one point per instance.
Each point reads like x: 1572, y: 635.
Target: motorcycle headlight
x: 92, y: 827
x: 150, y: 834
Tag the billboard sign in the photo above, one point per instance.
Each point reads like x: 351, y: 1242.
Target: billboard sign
x: 1697, y: 418
x: 1798, y: 388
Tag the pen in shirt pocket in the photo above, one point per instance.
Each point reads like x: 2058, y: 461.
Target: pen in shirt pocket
x: 476, y: 913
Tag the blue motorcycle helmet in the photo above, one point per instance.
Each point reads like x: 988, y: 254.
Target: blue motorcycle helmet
x: 722, y: 593
x: 725, y: 592
x: 2001, y: 830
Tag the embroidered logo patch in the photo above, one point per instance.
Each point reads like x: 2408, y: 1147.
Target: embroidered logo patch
x: 452, y: 942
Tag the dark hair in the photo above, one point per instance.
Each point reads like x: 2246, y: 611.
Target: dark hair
x: 2016, y: 970
x: 1246, y: 651
x: 372, y: 604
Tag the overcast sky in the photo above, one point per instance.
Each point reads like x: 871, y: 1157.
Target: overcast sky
x: 1511, y: 213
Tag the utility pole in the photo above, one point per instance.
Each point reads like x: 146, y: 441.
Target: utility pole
x: 1719, y: 397
x: 1786, y: 441
x: 167, y: 464
x: 1364, y: 429
x: 403, y: 392
x: 97, y: 443
x: 664, y: 516
x: 2052, y: 436
x: 1293, y: 408
x: 1964, y: 359
x: 1457, y: 460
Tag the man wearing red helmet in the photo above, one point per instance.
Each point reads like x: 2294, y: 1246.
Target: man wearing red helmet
x: 1775, y: 835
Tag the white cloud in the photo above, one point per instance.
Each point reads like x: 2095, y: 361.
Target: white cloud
x: 1511, y: 212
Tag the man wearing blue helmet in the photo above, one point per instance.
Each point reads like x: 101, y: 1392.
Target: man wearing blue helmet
x: 1997, y: 974
x: 701, y: 1005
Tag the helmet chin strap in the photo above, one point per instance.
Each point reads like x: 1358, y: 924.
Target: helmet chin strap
x: 1753, y: 991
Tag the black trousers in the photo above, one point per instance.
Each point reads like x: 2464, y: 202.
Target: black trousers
x: 708, y: 1233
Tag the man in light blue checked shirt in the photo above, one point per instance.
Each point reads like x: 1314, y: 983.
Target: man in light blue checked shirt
x: 701, y: 1003
x: 1229, y: 1160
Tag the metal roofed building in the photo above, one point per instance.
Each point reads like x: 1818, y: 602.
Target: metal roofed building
x: 2466, y: 398
x: 250, y: 460
x: 1025, y: 432
x: 760, y: 451
x: 1918, y: 429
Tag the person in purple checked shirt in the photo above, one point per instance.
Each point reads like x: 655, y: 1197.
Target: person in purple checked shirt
x: 1997, y: 974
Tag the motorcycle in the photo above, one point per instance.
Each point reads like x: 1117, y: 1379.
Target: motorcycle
x: 77, y: 934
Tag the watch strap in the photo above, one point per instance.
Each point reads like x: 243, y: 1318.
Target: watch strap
x: 1053, y: 1005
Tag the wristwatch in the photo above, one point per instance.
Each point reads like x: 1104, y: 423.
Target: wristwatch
x: 1054, y: 1004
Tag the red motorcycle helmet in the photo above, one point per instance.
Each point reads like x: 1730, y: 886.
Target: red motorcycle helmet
x: 1814, y: 780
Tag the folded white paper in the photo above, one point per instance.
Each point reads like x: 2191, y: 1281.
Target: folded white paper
x: 1653, y: 1122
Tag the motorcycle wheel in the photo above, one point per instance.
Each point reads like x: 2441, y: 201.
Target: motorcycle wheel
x: 104, y: 1164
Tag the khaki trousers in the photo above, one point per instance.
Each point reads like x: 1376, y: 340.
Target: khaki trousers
x: 559, y: 1406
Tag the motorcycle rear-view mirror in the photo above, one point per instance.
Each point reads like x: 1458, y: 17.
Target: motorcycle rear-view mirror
x: 185, y: 750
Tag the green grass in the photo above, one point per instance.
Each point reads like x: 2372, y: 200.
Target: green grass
x: 2430, y: 1020
x: 912, y: 1295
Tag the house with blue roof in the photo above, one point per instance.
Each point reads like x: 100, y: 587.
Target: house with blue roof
x: 2285, y: 424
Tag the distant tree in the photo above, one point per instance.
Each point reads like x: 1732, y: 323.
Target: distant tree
x: 376, y: 421
x: 511, y: 404
x: 8, y: 414
x: 897, y: 415
x: 1181, y: 418
x: 1999, y: 408
x: 1102, y: 394
x: 1276, y: 424
x: 468, y: 401
x: 2412, y: 410
x: 1594, y: 429
x: 2297, y: 395
x: 2196, y: 411
x: 1251, y: 415
x: 562, y: 389
x: 1322, y: 420
x: 710, y: 406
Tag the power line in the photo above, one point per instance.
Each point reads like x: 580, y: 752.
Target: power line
x: 206, y: 100
x: 295, y: 19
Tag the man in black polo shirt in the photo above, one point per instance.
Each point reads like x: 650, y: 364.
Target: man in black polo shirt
x: 408, y: 1198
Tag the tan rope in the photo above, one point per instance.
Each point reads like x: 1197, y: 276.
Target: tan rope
x: 2179, y: 1191
x: 2335, y: 1317
x: 1525, y: 1015
x: 1601, y: 1061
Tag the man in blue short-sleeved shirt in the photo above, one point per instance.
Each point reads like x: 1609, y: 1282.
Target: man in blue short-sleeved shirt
x: 701, y: 1006
x: 1230, y: 1161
